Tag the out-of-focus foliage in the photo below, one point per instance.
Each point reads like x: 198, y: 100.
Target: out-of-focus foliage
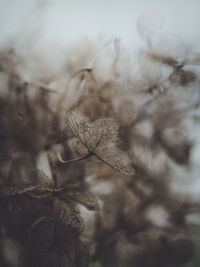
x: 99, y: 157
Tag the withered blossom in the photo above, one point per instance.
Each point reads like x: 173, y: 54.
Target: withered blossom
x: 100, y: 139
x: 127, y: 194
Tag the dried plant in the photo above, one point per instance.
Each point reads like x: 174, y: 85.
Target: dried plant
x: 100, y: 139
x: 99, y: 160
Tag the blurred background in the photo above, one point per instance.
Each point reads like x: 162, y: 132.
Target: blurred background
x: 66, y: 21
x: 25, y: 24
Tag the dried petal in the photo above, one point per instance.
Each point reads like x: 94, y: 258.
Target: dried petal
x: 116, y: 158
x: 68, y: 216
x: 101, y: 131
x: 79, y: 124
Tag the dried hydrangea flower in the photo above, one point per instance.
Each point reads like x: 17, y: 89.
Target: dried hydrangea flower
x: 40, y: 186
x: 100, y: 139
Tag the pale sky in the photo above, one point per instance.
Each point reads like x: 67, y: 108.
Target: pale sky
x: 70, y: 20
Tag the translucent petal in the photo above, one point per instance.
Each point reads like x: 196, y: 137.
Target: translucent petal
x: 116, y: 158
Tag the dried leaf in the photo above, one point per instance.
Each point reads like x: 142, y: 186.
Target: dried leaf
x: 100, y: 139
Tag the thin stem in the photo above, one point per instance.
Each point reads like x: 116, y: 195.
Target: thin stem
x: 72, y: 160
